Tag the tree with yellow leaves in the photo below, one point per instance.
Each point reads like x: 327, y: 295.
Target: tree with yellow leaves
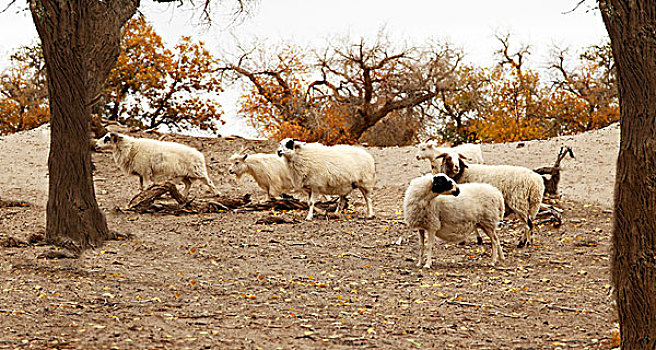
x: 339, y: 94
x: 23, y: 94
x: 149, y: 86
x: 152, y: 85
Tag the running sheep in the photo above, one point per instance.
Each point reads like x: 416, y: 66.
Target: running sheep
x: 330, y: 170
x: 522, y: 188
x: 155, y: 161
x: 430, y: 151
x: 436, y: 206
x: 269, y: 171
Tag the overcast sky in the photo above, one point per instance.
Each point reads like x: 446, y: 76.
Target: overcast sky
x: 467, y: 24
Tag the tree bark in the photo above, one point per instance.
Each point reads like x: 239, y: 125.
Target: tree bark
x: 631, y: 26
x: 80, y: 41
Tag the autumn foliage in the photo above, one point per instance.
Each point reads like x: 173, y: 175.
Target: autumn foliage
x: 276, y: 103
x: 340, y: 94
x: 152, y: 85
x: 367, y: 91
x: 149, y: 86
x: 518, y: 104
x: 23, y: 94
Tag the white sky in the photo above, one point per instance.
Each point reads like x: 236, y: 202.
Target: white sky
x: 467, y: 24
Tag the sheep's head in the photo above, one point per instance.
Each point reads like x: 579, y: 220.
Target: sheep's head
x: 108, y: 141
x: 238, y: 166
x: 426, y: 150
x: 453, y: 164
x: 444, y: 185
x: 289, y: 146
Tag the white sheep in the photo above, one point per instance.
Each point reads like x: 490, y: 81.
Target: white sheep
x: 522, y: 188
x: 154, y: 160
x: 436, y: 206
x: 430, y: 150
x: 269, y: 171
x: 330, y: 170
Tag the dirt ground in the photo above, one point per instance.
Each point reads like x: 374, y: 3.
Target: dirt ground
x: 220, y: 281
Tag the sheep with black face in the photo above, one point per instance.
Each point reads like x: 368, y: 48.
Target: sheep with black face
x: 437, y: 206
x: 522, y: 188
x: 330, y: 170
x: 430, y: 151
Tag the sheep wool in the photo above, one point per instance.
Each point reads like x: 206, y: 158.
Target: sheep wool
x: 430, y: 151
x: 522, y: 188
x: 155, y: 161
x: 437, y: 206
x: 269, y: 171
x: 330, y: 170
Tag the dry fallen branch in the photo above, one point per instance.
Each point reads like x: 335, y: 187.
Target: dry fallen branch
x: 145, y: 202
x: 12, y: 203
x: 145, y: 198
x: 271, y: 219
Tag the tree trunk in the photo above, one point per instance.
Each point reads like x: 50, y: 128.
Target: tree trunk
x: 632, y: 29
x: 80, y: 41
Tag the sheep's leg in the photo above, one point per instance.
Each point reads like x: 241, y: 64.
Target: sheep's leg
x: 497, y: 250
x: 430, y: 240
x: 421, y: 247
x: 366, y: 193
x: 311, y: 200
x: 187, y: 183
x: 208, y: 182
x: 341, y: 204
x: 144, y: 181
x: 527, y: 237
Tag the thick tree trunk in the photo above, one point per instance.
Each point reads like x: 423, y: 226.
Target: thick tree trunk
x: 632, y: 29
x: 80, y: 41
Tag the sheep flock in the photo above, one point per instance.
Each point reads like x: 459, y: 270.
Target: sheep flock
x: 458, y: 197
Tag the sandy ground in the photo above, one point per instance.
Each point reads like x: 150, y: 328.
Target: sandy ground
x: 221, y: 281
x: 590, y: 177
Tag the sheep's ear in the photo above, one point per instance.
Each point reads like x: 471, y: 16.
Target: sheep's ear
x: 441, y: 156
x: 463, y: 157
x: 430, y: 145
x: 114, y: 137
x: 245, y: 156
x: 297, y: 145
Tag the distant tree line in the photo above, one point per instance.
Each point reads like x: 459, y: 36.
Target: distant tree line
x: 374, y: 91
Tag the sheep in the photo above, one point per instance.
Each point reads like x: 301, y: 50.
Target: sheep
x: 430, y: 150
x: 330, y: 170
x: 269, y: 171
x: 522, y: 188
x: 154, y: 160
x: 437, y: 206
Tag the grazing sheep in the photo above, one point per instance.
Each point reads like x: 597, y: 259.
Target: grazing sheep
x: 269, y: 171
x: 522, y: 188
x: 330, y: 170
x: 434, y: 204
x: 154, y: 160
x: 430, y: 150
